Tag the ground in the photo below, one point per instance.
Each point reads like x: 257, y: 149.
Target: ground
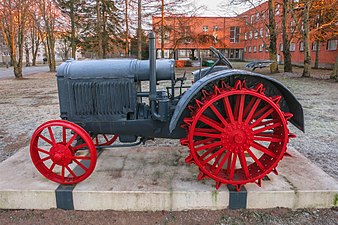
x: 25, y: 104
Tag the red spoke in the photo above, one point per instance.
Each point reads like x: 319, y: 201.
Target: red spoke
x: 51, y: 135
x: 52, y: 167
x: 229, y: 163
x: 216, y: 162
x: 201, y: 134
x: 267, y: 128
x: 79, y: 146
x: 82, y: 157
x: 211, y: 123
x: 249, y: 106
x: 222, y: 163
x: 262, y: 117
x: 44, y: 151
x: 244, y: 164
x: 241, y: 108
x: 105, y: 137
x: 63, y: 173
x: 207, y: 153
x: 64, y: 135
x: 218, y: 114
x: 228, y: 109
x: 97, y: 140
x: 207, y: 130
x: 42, y: 160
x: 212, y: 145
x: 71, y: 172
x: 232, y: 167
x: 267, y: 122
x: 259, y: 112
x: 71, y: 140
x: 204, y: 141
x: 269, y: 139
x: 252, y: 111
x: 259, y: 164
x: 219, y: 151
x: 263, y: 149
x: 46, y: 139
x: 80, y: 164
x: 238, y: 98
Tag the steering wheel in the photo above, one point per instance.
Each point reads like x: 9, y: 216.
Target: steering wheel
x: 221, y: 57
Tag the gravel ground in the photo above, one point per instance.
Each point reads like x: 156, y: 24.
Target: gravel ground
x: 25, y: 104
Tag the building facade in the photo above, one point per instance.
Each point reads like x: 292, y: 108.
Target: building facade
x: 244, y: 37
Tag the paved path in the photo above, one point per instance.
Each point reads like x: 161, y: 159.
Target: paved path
x: 9, y: 73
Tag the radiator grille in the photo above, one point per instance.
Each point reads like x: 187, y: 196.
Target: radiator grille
x: 104, y: 98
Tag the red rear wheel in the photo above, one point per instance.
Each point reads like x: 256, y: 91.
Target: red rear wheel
x: 63, y: 152
x: 104, y: 139
x: 236, y: 135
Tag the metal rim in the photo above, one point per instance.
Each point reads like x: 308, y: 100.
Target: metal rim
x: 63, y: 152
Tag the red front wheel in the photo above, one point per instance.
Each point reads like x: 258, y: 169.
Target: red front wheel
x: 63, y: 152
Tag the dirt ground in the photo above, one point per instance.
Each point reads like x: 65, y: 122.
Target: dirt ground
x: 25, y: 104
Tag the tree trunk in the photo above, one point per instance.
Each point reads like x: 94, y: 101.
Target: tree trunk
x: 27, y: 54
x: 99, y: 30
x: 139, y: 29
x: 126, y: 50
x: 317, y: 55
x: 286, y: 40
x: 273, y: 37
x: 162, y: 30
x: 306, y: 40
x: 72, y: 38
x: 335, y: 71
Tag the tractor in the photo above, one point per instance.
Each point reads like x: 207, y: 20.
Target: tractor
x: 234, y: 122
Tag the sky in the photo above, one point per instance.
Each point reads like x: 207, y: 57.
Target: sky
x: 213, y: 8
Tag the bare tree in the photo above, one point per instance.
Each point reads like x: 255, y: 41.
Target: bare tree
x: 13, y: 15
x: 273, y: 37
x: 306, y: 38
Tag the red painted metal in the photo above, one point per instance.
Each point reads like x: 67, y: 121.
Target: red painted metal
x: 104, y: 139
x: 63, y: 152
x: 236, y: 135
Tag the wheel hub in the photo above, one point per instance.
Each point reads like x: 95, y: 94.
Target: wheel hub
x: 237, y: 137
x: 60, y: 154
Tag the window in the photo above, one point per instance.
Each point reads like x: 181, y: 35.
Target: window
x: 249, y: 50
x: 250, y: 35
x: 215, y: 28
x: 255, y: 49
x: 246, y: 36
x: 260, y: 48
x: 267, y: 32
x: 292, y: 47
x: 261, y: 32
x: 205, y: 28
x: 301, y: 46
x: 244, y: 50
x: 234, y: 34
x: 332, y: 45
x: 266, y: 48
x: 252, y: 19
x: 281, y: 47
x: 256, y: 34
x: 277, y: 9
x: 166, y: 37
x: 263, y: 15
x: 314, y: 46
x: 257, y: 17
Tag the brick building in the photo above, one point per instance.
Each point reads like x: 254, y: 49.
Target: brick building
x: 244, y: 37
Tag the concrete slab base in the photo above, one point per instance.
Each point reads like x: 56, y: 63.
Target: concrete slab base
x: 151, y: 179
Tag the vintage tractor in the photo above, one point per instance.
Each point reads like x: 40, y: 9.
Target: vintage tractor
x: 234, y: 122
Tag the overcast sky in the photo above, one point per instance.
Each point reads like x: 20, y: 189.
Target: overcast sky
x: 213, y: 7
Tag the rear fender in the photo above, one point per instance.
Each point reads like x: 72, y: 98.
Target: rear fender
x: 289, y: 103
